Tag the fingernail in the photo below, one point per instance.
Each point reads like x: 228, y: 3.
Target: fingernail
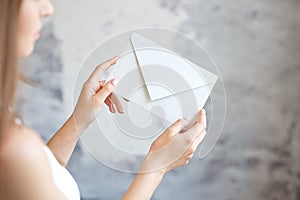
x: 203, y: 111
x: 114, y: 82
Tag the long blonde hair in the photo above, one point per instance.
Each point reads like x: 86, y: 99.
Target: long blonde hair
x: 9, y: 14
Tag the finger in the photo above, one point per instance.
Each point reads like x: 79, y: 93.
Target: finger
x: 193, y: 147
x: 185, y: 159
x: 186, y: 162
x: 200, y: 124
x: 192, y: 133
x: 107, y: 102
x: 200, y: 138
x: 117, y: 102
x: 190, y: 156
x: 98, y: 72
x: 198, y: 128
x: 202, y: 117
x: 112, y: 108
x: 105, y: 91
x: 176, y: 127
x: 196, y: 143
x: 186, y: 125
x: 99, y: 86
x: 110, y: 105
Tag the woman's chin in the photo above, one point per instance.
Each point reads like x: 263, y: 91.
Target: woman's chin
x: 23, y: 53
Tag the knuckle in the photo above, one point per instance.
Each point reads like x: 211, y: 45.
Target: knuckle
x: 187, y: 159
x: 172, y: 129
x: 108, y: 88
x: 191, y: 151
x: 100, y: 68
x: 169, y: 134
x: 179, y: 121
x: 89, y: 84
x: 86, y: 85
x: 193, y: 148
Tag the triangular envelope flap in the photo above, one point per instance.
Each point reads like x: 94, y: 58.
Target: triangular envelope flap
x: 139, y: 41
x: 209, y: 77
x: 162, y: 66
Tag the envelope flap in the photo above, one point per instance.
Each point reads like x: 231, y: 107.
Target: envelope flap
x: 166, y: 73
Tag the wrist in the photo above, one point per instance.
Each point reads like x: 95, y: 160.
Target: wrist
x: 79, y: 127
x: 151, y: 167
x: 145, y: 182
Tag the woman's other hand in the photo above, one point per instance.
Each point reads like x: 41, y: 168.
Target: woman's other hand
x: 95, y: 92
x: 176, y: 146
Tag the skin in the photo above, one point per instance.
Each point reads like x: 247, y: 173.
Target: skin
x: 22, y: 149
x: 30, y: 24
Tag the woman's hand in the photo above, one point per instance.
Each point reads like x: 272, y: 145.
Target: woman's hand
x: 176, y: 146
x: 93, y: 95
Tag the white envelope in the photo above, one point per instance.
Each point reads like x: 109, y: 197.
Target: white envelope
x: 159, y: 87
x: 160, y: 81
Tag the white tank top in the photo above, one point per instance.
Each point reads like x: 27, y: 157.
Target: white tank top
x: 62, y: 177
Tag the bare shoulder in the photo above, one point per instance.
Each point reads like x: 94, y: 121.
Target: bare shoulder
x: 18, y: 141
x: 20, y: 146
x: 25, y: 171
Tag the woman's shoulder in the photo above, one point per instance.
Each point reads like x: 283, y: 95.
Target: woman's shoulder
x: 20, y: 144
x: 24, y: 169
x: 22, y: 163
x: 17, y: 137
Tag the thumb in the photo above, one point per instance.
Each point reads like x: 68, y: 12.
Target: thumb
x: 105, y: 91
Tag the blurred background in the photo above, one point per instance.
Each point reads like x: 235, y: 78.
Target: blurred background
x: 256, y: 45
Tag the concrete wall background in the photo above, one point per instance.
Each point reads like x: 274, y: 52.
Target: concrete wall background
x: 256, y: 45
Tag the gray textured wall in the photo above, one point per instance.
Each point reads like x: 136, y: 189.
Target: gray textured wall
x: 256, y: 45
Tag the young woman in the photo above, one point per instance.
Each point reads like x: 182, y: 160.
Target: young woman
x: 33, y: 170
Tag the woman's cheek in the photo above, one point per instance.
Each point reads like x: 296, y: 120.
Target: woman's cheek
x: 26, y: 36
x: 25, y: 43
